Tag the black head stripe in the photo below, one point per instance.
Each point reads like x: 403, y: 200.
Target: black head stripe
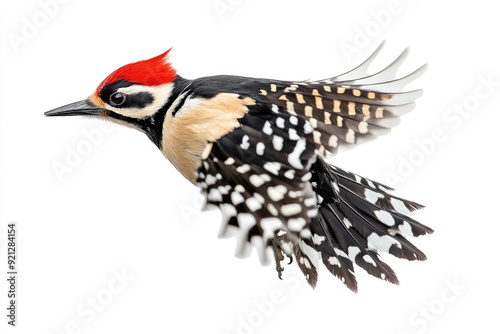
x: 138, y: 100
x: 113, y: 87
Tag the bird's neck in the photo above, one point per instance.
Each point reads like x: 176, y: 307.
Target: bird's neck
x: 153, y: 126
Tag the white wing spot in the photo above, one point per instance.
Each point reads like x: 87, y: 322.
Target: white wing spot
x: 256, y: 180
x: 292, y: 134
x: 272, y: 209
x: 405, y: 229
x: 334, y: 261
x: 372, y: 196
x: 210, y: 179
x: 214, y: 195
x: 295, y: 194
x: 313, y: 122
x: 306, y: 177
x: 353, y: 251
x: 290, y: 174
x: 270, y: 225
x: 253, y: 204
x: 223, y: 190
x: 305, y: 233
x: 291, y: 209
x: 277, y: 143
x: 363, y: 127
x: 317, y: 240
x: 277, y: 193
x: 382, y: 243
x: 227, y: 211
x: 265, y: 177
x: 243, y: 169
x: 267, y: 128
x: 296, y: 224
x: 340, y: 252
x: 244, y: 142
x: 294, y: 157
x: 310, y: 252
x: 333, y: 141
x: 236, y: 198
x: 385, y: 217
x: 369, y: 259
x: 400, y: 207
x: 259, y: 198
x: 311, y: 201
x: 308, y: 128
x: 272, y: 167
x: 260, y: 148
x: 349, y: 136
x: 280, y: 123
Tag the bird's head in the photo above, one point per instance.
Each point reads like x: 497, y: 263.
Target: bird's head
x: 132, y: 95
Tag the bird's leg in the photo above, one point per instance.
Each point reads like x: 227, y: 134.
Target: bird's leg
x: 276, y: 244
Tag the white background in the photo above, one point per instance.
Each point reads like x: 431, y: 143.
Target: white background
x: 123, y: 207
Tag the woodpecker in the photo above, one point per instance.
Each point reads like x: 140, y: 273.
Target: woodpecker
x: 257, y: 147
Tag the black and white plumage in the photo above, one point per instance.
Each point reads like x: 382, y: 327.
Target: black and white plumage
x: 256, y: 149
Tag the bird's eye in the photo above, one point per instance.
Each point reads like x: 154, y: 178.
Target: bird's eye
x: 117, y: 99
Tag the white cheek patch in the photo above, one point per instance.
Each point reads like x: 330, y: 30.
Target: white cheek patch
x: 160, y: 94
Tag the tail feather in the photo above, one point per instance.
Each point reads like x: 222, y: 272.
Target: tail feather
x: 366, y: 208
x: 384, y: 207
x: 373, y: 230
x: 332, y: 254
x: 358, y: 184
x: 307, y: 259
x: 356, y: 219
x: 355, y: 246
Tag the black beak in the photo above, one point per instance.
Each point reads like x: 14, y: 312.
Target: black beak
x: 81, y: 108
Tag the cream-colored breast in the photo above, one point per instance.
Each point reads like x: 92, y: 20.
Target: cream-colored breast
x: 188, y: 136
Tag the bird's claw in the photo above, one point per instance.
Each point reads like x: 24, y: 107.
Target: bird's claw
x: 279, y: 254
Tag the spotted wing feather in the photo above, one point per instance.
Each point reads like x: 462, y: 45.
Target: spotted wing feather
x: 348, y: 109
x: 258, y: 176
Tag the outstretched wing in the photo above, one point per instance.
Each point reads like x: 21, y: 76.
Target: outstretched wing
x: 258, y: 174
x: 351, y: 108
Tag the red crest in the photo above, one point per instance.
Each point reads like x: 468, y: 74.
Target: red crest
x: 151, y: 72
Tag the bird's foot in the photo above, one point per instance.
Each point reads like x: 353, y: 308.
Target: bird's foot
x: 277, y: 244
